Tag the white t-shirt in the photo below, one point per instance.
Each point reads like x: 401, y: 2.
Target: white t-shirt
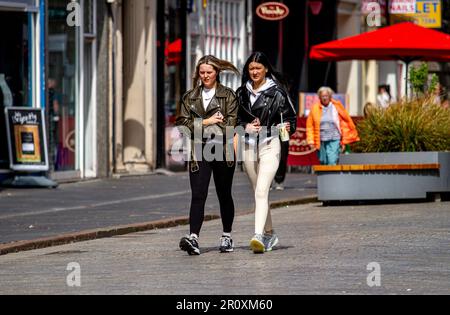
x: 383, y: 100
x: 207, y: 95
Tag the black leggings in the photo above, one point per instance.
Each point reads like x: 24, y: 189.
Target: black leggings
x: 223, y: 179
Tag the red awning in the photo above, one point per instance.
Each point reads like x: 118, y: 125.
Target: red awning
x: 405, y: 41
x: 173, y: 52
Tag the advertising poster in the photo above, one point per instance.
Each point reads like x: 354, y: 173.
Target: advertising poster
x: 26, y: 139
x: 426, y: 13
x: 27, y: 144
x: 307, y: 101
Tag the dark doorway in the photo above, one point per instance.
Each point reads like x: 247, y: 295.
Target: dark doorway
x: 172, y: 36
x: 14, y: 70
x: 322, y: 28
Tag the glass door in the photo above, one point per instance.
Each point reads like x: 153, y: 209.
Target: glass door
x: 62, y: 88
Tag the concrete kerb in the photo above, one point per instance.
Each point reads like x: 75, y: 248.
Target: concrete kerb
x: 89, y: 235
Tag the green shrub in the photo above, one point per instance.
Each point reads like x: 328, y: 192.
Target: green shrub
x: 408, y: 126
x: 420, y: 81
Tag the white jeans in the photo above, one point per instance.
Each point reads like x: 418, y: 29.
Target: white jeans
x: 261, y: 166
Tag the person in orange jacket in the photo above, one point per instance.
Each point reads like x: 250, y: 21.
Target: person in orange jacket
x: 329, y: 127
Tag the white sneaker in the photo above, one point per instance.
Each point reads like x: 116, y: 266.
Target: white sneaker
x: 257, y: 244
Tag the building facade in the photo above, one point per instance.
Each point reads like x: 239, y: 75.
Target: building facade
x: 21, y: 62
x: 51, y: 60
x: 361, y: 79
x: 110, y: 74
x: 287, y: 43
x: 156, y: 45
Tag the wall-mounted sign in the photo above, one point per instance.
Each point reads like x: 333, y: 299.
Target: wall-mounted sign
x: 19, y: 5
x: 27, y: 141
x: 426, y: 13
x: 272, y: 11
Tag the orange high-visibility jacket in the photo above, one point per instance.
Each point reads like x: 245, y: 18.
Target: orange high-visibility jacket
x: 349, y: 134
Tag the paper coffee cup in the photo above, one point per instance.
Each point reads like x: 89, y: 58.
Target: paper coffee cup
x: 284, y: 133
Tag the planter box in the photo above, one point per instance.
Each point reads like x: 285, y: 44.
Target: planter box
x: 390, y: 184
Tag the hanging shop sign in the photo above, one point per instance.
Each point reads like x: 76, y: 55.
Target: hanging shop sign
x: 426, y: 13
x: 272, y: 11
x: 19, y: 5
x: 27, y: 141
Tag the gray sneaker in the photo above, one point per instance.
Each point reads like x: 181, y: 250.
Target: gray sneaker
x: 270, y: 241
x: 190, y: 245
x: 257, y: 244
x: 279, y: 187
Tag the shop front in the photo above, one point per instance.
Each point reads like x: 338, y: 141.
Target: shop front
x: 193, y: 29
x: 20, y: 56
x: 47, y: 62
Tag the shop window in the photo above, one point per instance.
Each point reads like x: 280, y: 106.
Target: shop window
x: 219, y: 28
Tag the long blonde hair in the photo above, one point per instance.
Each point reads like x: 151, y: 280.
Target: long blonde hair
x: 218, y: 65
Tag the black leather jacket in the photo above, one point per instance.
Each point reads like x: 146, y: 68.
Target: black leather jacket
x: 267, y: 108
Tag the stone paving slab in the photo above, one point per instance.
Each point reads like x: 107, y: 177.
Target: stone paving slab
x: 323, y: 250
x: 30, y: 214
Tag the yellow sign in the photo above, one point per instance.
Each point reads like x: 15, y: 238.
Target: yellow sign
x: 27, y: 143
x: 428, y: 13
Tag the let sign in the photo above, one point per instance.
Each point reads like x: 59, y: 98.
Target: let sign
x: 272, y: 11
x: 426, y: 13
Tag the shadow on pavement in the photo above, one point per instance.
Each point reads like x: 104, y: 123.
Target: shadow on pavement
x: 206, y: 250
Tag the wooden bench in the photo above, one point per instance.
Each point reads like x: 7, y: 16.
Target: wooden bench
x: 375, y: 167
x: 378, y: 182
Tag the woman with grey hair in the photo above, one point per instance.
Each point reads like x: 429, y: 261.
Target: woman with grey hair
x: 329, y: 127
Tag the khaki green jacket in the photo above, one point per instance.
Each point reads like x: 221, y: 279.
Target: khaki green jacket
x: 192, y: 114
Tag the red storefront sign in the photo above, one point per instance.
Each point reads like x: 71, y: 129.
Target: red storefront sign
x: 300, y: 153
x: 272, y: 11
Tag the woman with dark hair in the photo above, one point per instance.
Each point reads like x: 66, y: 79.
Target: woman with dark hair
x: 210, y: 105
x: 265, y: 109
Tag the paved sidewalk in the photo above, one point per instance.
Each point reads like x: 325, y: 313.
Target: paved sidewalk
x: 323, y: 251
x: 103, y: 205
